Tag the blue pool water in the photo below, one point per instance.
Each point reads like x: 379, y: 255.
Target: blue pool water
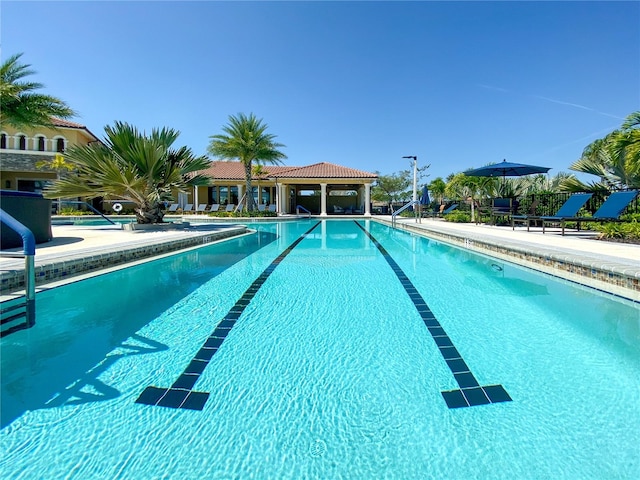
x: 329, y: 371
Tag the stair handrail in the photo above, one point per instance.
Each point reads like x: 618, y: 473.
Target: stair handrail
x: 29, y: 251
x: 94, y: 210
x: 400, y: 210
x: 300, y: 207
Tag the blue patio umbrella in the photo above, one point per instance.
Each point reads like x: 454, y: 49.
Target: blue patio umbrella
x: 506, y: 169
x: 424, y: 198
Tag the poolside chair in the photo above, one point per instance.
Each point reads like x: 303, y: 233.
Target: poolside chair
x: 214, y: 208
x: 609, y: 211
x: 173, y: 207
x: 202, y: 207
x: 568, y: 209
x: 338, y: 209
x: 188, y: 208
x: 230, y: 207
x: 262, y: 207
x: 272, y: 207
x: 444, y: 211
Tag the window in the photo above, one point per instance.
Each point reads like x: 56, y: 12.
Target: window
x: 41, y: 144
x: 3, y: 141
x: 60, y: 145
x: 22, y: 142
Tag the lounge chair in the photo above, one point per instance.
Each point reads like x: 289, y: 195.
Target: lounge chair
x: 215, y: 207
x: 569, y: 209
x: 202, y: 207
x: 609, y: 211
x: 230, y: 207
x: 188, y: 208
x: 173, y: 207
x: 444, y: 211
x: 262, y: 207
x: 272, y: 207
x: 338, y: 209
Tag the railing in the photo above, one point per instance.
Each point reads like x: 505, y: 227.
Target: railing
x: 74, y: 202
x: 400, y: 210
x: 29, y: 252
x: 300, y: 207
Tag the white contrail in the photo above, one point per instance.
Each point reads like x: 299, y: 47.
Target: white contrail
x: 552, y: 100
x: 576, y: 105
x: 566, y: 144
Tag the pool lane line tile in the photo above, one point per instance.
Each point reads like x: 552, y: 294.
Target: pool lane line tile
x: 180, y: 394
x: 471, y: 393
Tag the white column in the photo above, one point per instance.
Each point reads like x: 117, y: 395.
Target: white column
x: 367, y: 198
x: 284, y: 199
x: 195, y: 197
x: 240, y: 192
x: 323, y: 199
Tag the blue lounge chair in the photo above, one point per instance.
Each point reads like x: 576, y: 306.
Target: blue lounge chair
x: 609, y: 211
x: 569, y: 209
x: 444, y: 211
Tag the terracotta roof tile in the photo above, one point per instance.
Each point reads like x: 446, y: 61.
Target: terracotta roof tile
x: 58, y: 122
x: 325, y: 170
x: 233, y: 170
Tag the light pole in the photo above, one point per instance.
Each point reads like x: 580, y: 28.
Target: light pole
x: 415, y: 178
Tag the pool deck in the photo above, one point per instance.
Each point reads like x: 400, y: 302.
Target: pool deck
x: 613, y: 267
x: 80, y: 250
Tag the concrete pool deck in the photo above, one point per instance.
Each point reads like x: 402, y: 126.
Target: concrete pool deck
x: 613, y: 267
x: 609, y: 266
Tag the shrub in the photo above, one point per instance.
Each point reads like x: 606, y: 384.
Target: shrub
x: 458, y: 217
x: 73, y: 212
x: 627, y: 232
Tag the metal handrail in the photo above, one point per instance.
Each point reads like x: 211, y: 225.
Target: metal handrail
x: 29, y: 252
x: 300, y: 207
x: 400, y: 210
x: 75, y: 202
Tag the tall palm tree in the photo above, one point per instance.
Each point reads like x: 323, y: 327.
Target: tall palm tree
x: 615, y: 159
x: 22, y: 106
x: 245, y: 139
x: 133, y: 167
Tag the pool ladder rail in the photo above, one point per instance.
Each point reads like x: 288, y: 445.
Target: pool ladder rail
x: 21, y: 307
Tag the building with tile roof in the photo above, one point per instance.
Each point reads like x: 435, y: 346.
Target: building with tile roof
x: 321, y: 189
x: 23, y: 150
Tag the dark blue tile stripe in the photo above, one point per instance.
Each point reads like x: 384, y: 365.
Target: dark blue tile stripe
x: 180, y: 394
x: 470, y: 393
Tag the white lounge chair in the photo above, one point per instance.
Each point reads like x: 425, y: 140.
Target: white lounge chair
x: 230, y: 207
x: 202, y: 207
x: 262, y: 207
x: 215, y: 207
x: 173, y: 207
x: 272, y: 207
x: 188, y: 208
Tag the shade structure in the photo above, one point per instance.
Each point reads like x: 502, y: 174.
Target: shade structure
x: 424, y: 198
x: 506, y: 169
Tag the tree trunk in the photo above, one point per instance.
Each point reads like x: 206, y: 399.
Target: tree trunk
x: 149, y: 214
x: 248, y: 197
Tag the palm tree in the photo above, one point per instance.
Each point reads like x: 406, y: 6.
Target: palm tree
x: 21, y: 105
x: 132, y: 167
x: 437, y: 188
x: 615, y: 159
x: 246, y: 139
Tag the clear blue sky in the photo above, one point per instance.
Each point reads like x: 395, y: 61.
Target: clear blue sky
x: 459, y: 84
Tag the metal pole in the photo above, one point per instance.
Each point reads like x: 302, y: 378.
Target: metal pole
x: 30, y: 289
x: 415, y: 179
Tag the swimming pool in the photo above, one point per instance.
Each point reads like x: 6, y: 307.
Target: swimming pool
x: 327, y: 365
